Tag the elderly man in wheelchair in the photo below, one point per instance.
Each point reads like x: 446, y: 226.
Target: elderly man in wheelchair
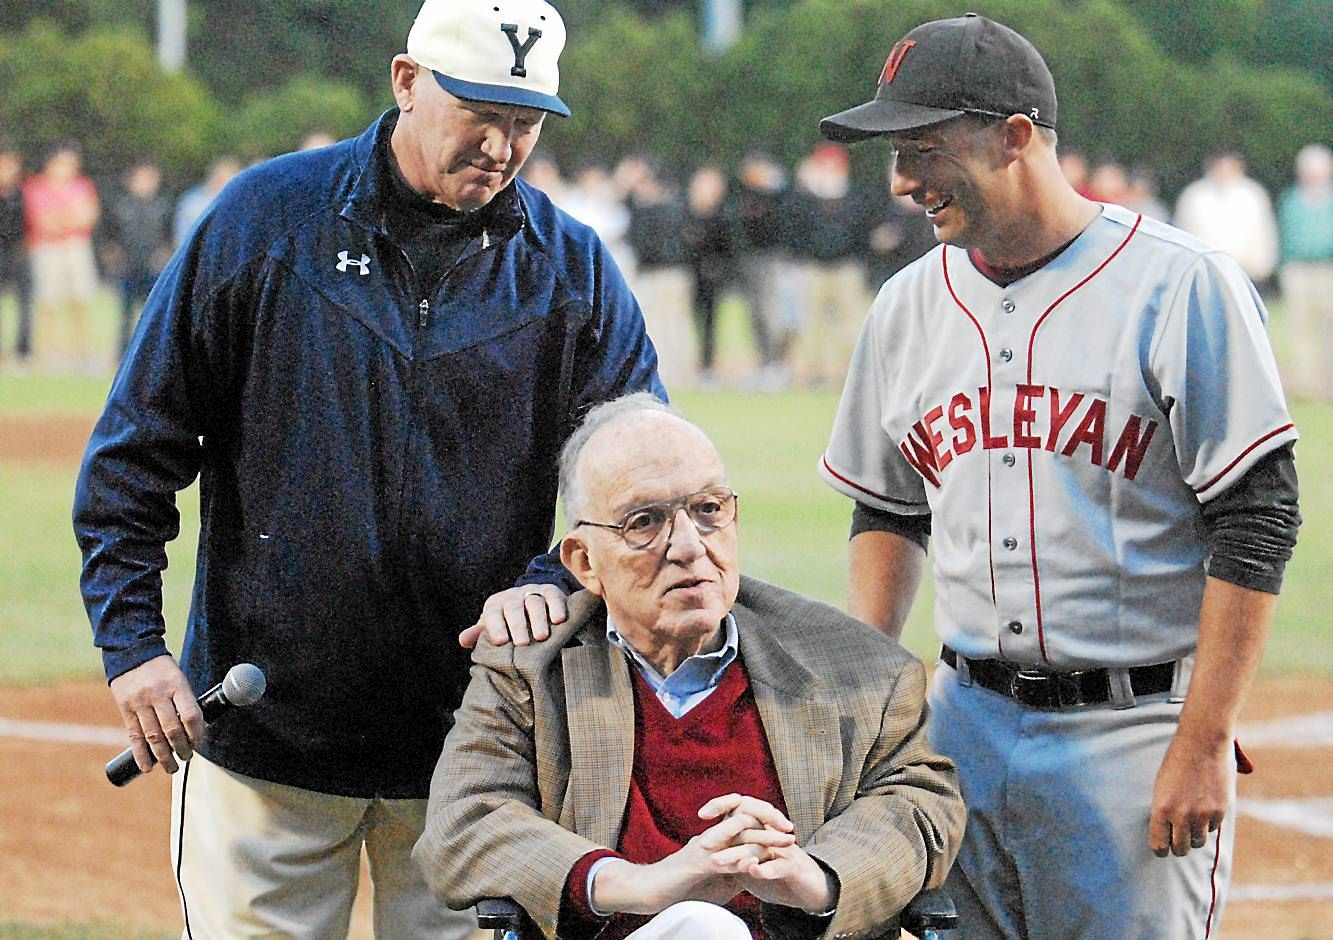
x: 692, y: 753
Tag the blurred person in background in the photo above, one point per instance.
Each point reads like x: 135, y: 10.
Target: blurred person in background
x: 1230, y: 211
x: 14, y: 274
x: 543, y: 173
x: 1305, y: 221
x: 196, y: 199
x: 316, y: 139
x: 61, y: 210
x: 1109, y: 183
x: 766, y: 269
x: 369, y: 355
x: 712, y: 240
x: 901, y: 234
x: 137, y: 240
x: 1142, y: 195
x: 829, y: 226
x: 595, y: 200
x: 1074, y: 166
x: 662, y: 279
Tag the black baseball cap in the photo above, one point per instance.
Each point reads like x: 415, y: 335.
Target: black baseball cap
x: 946, y: 68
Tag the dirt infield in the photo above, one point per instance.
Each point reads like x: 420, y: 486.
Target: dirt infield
x: 44, y: 438
x: 74, y: 848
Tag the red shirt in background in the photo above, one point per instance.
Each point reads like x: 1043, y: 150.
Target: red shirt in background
x: 58, y: 212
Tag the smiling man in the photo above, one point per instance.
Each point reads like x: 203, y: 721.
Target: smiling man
x: 1081, y: 405
x: 370, y: 354
x: 693, y: 754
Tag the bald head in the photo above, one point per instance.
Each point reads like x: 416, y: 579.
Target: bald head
x: 652, y: 526
x: 617, y: 414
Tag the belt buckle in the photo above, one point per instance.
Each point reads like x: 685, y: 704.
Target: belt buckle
x: 1031, y: 687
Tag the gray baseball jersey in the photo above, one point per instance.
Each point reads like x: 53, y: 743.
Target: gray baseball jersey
x: 1063, y: 432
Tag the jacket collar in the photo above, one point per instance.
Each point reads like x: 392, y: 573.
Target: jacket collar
x: 505, y: 215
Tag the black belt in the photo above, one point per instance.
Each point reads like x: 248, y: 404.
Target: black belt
x: 1040, y: 688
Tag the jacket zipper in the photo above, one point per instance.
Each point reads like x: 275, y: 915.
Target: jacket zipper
x: 423, y: 313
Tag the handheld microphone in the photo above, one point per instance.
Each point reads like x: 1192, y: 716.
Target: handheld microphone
x: 243, y: 685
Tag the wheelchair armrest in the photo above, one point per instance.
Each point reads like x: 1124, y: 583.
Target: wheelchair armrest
x: 929, y: 910
x: 499, y: 914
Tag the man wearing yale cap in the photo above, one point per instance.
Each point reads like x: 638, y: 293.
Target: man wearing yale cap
x: 370, y: 354
x: 1082, y: 407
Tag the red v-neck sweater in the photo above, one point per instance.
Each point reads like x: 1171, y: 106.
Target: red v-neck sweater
x: 717, y: 747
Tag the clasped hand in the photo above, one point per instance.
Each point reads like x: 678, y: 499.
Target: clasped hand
x: 750, y: 848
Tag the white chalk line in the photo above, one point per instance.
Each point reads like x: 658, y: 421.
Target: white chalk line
x: 1312, y: 816
x: 1239, y: 894
x: 61, y: 733
x: 1313, y: 730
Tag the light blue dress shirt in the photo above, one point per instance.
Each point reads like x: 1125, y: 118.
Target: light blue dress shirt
x: 694, y: 679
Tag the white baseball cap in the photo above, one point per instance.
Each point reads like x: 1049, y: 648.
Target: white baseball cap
x: 503, y: 51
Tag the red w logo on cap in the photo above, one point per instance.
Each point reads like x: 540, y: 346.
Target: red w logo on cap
x: 895, y: 60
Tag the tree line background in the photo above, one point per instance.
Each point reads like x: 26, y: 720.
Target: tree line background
x: 1143, y: 82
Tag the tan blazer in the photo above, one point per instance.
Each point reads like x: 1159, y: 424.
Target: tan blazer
x: 536, y: 771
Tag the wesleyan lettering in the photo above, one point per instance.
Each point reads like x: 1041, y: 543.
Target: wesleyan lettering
x: 1041, y: 419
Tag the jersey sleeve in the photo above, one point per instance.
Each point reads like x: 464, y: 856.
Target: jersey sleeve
x: 1217, y: 377
x: 862, y: 460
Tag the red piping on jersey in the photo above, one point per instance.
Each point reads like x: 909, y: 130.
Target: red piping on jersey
x: 1212, y: 883
x: 990, y: 515
x: 1286, y: 427
x: 1032, y: 487
x: 861, y: 489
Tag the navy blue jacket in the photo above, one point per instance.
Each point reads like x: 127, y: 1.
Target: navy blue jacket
x: 376, y: 456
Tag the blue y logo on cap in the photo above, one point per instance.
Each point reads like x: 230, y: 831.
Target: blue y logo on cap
x: 520, y: 52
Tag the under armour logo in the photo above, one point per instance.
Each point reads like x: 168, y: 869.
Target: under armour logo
x: 520, y: 52
x: 895, y: 60
x: 1035, y: 112
x: 344, y: 260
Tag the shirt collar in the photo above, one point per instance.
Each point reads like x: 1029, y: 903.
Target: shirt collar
x: 697, y: 673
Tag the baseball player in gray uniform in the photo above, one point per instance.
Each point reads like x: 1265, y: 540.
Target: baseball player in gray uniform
x: 1081, y: 405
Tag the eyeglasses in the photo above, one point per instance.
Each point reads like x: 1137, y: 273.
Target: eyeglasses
x: 709, y: 510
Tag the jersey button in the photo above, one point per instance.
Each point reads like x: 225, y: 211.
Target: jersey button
x: 1009, y: 460
x: 1008, y: 306
x: 1011, y: 543
x: 1015, y: 626
x: 1006, y: 354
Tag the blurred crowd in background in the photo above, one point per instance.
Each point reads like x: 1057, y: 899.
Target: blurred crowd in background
x: 802, y: 250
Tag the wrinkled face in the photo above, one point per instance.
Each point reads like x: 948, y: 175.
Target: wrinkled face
x: 674, y: 593
x: 459, y: 153
x: 951, y: 170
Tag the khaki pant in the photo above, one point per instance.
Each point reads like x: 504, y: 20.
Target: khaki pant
x: 1307, y: 289
x: 836, y: 302
x: 255, y: 859
x: 664, y: 295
